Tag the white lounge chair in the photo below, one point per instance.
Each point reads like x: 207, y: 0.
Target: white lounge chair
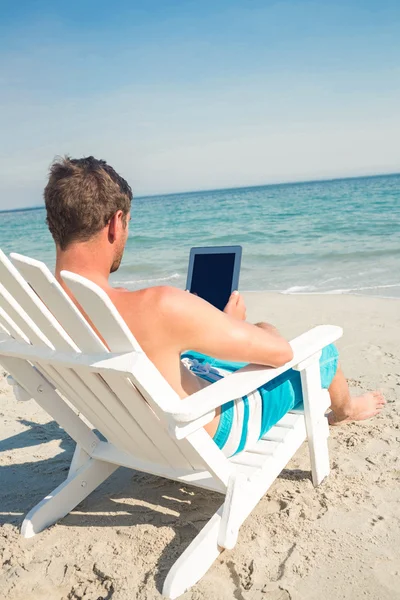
x: 50, y: 349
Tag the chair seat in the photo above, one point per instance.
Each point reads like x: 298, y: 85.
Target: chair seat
x: 289, y: 432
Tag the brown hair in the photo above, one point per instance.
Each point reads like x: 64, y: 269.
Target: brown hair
x: 81, y: 197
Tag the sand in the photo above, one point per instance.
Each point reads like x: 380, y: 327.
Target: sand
x: 340, y: 541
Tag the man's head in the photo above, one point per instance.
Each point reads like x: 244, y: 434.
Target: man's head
x: 87, y: 201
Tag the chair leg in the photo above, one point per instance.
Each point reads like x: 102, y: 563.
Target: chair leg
x: 66, y: 496
x: 319, y: 451
x: 232, y: 514
x: 316, y: 401
x: 195, y: 560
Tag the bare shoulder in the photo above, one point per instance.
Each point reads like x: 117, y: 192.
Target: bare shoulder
x: 157, y: 301
x: 154, y: 315
x: 172, y: 300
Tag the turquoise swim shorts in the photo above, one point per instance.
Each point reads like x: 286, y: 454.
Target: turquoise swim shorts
x: 277, y: 397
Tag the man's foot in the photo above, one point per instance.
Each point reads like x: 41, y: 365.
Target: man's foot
x: 360, y: 408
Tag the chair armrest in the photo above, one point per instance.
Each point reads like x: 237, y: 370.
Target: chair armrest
x: 252, y: 376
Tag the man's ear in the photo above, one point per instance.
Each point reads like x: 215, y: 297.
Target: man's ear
x: 114, y: 225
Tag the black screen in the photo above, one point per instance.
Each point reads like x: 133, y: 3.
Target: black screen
x: 212, y: 277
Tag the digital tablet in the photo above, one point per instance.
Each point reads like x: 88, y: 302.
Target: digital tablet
x: 213, y: 273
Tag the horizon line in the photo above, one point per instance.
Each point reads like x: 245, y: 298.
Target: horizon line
x: 242, y: 187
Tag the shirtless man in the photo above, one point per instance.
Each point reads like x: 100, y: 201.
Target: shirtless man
x: 88, y: 212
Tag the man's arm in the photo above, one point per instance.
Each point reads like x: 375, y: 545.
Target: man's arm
x: 195, y: 324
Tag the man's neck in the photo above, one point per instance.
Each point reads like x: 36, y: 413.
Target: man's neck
x: 84, y: 259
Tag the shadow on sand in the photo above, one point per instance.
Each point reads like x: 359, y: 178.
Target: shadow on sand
x: 129, y: 497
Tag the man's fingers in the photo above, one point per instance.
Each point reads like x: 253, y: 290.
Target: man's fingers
x: 239, y: 299
x: 233, y: 298
x: 236, y: 306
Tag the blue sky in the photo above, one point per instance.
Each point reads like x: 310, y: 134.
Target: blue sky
x: 196, y: 95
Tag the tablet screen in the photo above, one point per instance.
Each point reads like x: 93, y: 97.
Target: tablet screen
x: 212, y: 277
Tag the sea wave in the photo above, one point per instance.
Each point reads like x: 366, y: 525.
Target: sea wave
x: 311, y: 289
x: 332, y: 256
x: 298, y: 289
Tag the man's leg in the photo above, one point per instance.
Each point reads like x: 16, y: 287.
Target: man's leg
x: 345, y: 408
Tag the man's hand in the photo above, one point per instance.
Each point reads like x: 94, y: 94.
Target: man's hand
x: 236, y: 307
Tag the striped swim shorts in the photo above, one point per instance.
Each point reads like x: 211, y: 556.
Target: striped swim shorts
x: 245, y: 420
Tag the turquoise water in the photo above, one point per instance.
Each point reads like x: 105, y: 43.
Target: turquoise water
x: 339, y: 236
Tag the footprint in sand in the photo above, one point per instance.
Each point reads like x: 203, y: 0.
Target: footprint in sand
x: 375, y: 520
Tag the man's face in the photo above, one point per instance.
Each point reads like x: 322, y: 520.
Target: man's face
x: 120, y: 242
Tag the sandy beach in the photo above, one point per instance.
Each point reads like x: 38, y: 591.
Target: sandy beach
x: 338, y: 542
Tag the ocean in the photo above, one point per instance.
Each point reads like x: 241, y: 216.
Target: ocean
x: 324, y: 237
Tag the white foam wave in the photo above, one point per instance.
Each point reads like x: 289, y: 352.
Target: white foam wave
x: 298, y: 289
x: 311, y: 290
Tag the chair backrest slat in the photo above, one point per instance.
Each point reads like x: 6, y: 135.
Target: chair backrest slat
x: 58, y: 302
x: 103, y: 313
x: 23, y: 321
x: 11, y: 327
x: 15, y: 284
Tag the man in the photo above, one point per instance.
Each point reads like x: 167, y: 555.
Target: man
x: 88, y: 212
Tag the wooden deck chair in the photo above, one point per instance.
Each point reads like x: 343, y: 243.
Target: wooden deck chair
x: 55, y: 356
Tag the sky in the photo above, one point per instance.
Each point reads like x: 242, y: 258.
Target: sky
x: 189, y: 95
